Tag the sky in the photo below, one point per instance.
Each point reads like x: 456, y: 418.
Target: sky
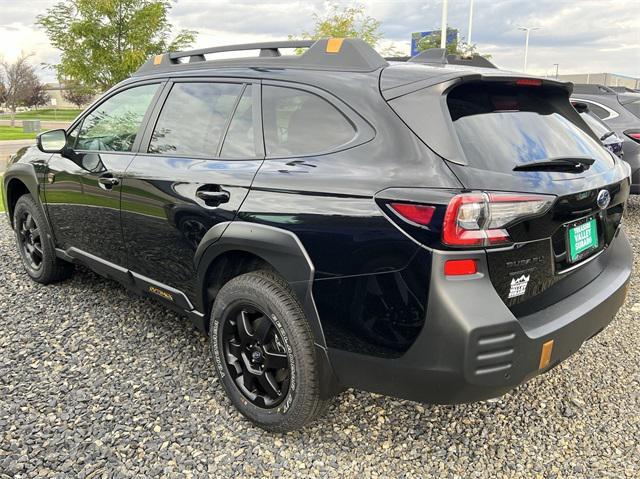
x: 582, y: 36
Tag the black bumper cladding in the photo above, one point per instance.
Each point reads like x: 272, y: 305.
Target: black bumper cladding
x: 473, y: 348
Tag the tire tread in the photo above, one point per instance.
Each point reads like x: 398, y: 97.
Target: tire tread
x: 54, y: 269
x: 312, y: 406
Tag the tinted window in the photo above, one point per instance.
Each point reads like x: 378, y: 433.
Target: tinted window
x: 193, y: 118
x: 239, y: 140
x: 114, y: 124
x: 598, y: 111
x: 72, y: 137
x: 500, y: 127
x: 634, y: 108
x: 299, y: 123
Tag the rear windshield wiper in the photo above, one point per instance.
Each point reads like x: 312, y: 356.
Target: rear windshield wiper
x: 571, y: 164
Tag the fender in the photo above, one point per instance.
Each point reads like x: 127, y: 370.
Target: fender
x: 280, y: 248
x: 25, y: 173
x: 284, y: 251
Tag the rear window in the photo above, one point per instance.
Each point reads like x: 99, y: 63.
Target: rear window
x: 502, y: 126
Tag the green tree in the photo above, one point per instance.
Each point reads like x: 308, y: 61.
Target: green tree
x: 3, y: 89
x: 20, y: 79
x: 77, y: 93
x: 104, y: 41
x: 455, y: 47
x: 345, y: 22
x: 38, y: 95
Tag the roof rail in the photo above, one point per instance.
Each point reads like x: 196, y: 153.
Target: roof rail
x: 438, y: 56
x: 343, y: 54
x: 592, y: 89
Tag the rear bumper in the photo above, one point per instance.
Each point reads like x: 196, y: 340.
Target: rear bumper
x: 473, y: 348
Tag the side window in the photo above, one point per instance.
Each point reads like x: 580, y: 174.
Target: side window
x: 72, y: 137
x: 114, y: 124
x: 599, y: 111
x: 298, y: 123
x: 239, y: 140
x: 193, y: 118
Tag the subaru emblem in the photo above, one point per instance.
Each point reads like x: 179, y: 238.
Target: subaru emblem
x: 603, y: 199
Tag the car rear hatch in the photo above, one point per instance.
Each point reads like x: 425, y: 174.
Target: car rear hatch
x: 542, y: 195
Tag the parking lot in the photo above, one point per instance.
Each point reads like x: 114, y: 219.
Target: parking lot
x: 96, y: 382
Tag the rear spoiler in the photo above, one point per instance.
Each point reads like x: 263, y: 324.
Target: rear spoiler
x: 452, y: 77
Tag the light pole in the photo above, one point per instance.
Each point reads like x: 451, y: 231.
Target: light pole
x: 527, y: 30
x: 443, y: 23
x: 470, y: 21
x: 556, y: 65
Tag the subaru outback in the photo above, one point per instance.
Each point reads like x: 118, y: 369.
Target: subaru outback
x: 430, y: 231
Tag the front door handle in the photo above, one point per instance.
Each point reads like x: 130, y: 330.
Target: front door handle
x: 108, y: 182
x: 213, y: 198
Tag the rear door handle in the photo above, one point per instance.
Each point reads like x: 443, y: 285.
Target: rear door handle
x: 108, y: 182
x: 213, y: 198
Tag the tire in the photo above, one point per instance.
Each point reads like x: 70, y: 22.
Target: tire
x: 33, y: 238
x: 248, y: 299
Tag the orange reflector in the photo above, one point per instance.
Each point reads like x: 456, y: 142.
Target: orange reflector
x: 545, y: 354
x: 157, y: 60
x: 334, y: 45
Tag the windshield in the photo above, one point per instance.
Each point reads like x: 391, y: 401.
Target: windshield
x: 501, y: 127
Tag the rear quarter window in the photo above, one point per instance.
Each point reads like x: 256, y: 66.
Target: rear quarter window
x: 600, y: 112
x: 298, y: 122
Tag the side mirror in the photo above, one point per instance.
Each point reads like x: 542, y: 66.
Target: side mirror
x: 52, y: 141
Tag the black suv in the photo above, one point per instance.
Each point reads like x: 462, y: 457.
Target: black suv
x: 430, y: 231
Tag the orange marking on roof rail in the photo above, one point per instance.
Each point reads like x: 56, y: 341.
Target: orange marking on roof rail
x: 157, y: 60
x: 334, y: 45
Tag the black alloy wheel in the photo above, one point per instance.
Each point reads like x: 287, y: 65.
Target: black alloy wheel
x: 263, y: 349
x: 30, y: 240
x: 255, y: 356
x: 35, y: 245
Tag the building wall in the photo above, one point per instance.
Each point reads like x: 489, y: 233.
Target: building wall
x: 55, y: 93
x: 607, y: 79
x: 54, y: 90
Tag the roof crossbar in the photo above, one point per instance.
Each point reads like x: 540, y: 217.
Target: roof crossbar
x: 349, y: 54
x: 267, y: 49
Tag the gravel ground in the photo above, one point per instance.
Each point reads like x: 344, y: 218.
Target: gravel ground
x: 96, y: 382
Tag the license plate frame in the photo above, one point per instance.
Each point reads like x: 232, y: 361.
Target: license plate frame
x: 575, y: 251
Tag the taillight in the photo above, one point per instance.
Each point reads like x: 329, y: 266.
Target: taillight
x: 528, y: 82
x: 419, y: 214
x: 480, y: 219
x: 633, y: 134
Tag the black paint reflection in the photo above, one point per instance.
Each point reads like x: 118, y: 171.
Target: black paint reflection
x: 85, y: 213
x: 163, y: 220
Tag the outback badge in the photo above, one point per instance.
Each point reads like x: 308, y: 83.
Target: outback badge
x: 603, y: 199
x: 161, y: 293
